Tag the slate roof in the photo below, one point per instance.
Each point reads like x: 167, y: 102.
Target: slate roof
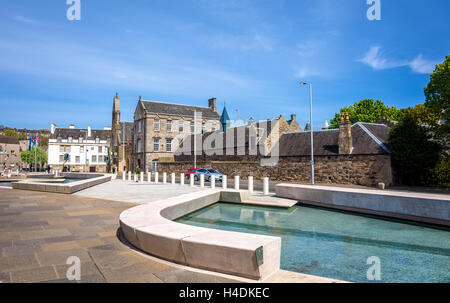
x: 75, y: 133
x: 178, y: 109
x: 8, y: 140
x: 368, y: 139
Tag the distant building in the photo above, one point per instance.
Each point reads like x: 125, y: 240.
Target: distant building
x: 10, y: 153
x: 158, y: 128
x: 88, y: 149
x: 121, y: 141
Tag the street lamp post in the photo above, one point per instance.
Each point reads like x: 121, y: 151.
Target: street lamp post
x: 311, y: 130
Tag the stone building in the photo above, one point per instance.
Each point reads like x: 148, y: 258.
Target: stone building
x: 10, y: 153
x: 88, y: 149
x: 352, y: 154
x: 160, y: 127
x: 249, y: 142
x: 121, y: 139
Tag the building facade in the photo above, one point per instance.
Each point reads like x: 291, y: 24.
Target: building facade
x: 88, y: 149
x: 10, y: 153
x: 160, y: 127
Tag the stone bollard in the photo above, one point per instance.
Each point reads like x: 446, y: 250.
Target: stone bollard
x: 236, y: 182
x: 250, y: 184
x: 164, y: 178
x: 129, y: 176
x: 149, y: 177
x: 213, y: 181
x: 265, y: 186
x: 224, y: 182
x: 156, y: 178
x: 142, y: 176
x: 124, y: 176
x: 381, y: 186
x: 172, y: 178
x: 135, y: 177
x: 191, y: 179
x: 202, y: 180
x: 181, y: 179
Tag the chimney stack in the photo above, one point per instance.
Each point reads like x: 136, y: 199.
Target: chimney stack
x: 345, y: 135
x: 293, y: 117
x: 89, y: 131
x: 52, y: 128
x: 72, y: 126
x: 212, y: 104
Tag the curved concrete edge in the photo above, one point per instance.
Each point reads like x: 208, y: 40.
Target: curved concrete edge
x: 419, y: 207
x: 149, y: 228
x: 68, y: 188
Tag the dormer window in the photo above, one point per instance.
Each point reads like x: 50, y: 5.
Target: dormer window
x: 156, y: 125
x: 70, y: 139
x: 97, y: 140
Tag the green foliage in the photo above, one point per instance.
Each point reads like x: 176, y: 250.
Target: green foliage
x: 440, y: 174
x: 12, y: 133
x: 437, y: 95
x: 420, y: 113
x: 43, y: 141
x: 367, y: 110
x: 28, y: 156
x: 413, y: 155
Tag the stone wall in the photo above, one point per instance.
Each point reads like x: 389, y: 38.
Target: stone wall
x: 344, y: 169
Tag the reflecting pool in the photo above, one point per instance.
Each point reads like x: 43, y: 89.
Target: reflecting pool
x: 336, y: 244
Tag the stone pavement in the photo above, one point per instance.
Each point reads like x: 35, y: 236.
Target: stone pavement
x: 39, y: 231
x: 136, y: 192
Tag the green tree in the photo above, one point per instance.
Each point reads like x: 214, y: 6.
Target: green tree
x: 27, y: 156
x: 13, y: 133
x: 413, y: 154
x: 367, y: 110
x: 437, y: 96
x: 43, y: 141
x: 420, y: 113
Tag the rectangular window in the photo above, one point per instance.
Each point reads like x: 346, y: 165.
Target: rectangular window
x: 61, y: 148
x: 192, y: 127
x: 97, y: 140
x: 70, y: 139
x: 169, y: 126
x: 169, y: 145
x: 156, y: 125
x: 139, y: 145
x: 77, y: 159
x: 203, y: 127
x: 156, y: 145
x: 139, y: 126
x: 181, y: 126
x: 61, y: 158
x: 94, y: 159
x: 99, y: 149
x: 81, y: 149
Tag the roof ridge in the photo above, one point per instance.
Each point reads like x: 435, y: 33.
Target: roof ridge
x: 205, y: 107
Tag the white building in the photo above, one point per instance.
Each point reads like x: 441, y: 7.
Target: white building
x: 88, y: 149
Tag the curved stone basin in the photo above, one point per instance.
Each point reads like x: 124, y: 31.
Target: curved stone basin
x: 150, y: 228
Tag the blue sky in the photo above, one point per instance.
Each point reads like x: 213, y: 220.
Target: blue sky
x: 251, y: 53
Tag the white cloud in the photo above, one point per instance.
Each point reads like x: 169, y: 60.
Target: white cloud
x: 377, y: 60
x: 422, y: 66
x: 256, y: 42
x: 304, y: 72
x: 24, y: 19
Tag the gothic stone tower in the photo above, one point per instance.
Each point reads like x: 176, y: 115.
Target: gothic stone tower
x: 115, y: 136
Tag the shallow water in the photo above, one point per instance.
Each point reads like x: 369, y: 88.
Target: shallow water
x: 336, y: 244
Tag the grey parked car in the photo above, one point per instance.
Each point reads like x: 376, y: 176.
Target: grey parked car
x: 208, y: 172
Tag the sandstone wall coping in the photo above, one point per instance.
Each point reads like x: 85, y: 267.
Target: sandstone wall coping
x: 150, y: 228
